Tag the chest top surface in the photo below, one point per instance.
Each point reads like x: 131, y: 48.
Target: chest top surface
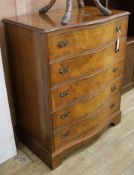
x: 51, y: 21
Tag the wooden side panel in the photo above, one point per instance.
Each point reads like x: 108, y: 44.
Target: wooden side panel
x: 128, y: 78
x: 26, y: 62
x: 10, y: 8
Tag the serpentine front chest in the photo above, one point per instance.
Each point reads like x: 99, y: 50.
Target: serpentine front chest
x: 66, y: 79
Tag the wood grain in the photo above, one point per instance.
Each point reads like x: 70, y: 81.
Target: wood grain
x: 128, y: 79
x: 86, y: 86
x: 84, y: 107
x: 81, y: 40
x: 26, y: 65
x: 10, y: 8
x: 85, y: 64
x: 28, y: 55
x: 74, y: 131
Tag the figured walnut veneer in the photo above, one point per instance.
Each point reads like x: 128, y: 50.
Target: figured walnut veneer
x: 66, y: 79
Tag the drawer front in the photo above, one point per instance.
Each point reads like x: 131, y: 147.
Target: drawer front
x: 76, y: 41
x: 85, y: 64
x: 88, y: 125
x: 79, y: 110
x: 75, y: 90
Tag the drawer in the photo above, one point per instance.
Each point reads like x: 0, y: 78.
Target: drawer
x: 88, y: 125
x: 85, y: 64
x: 82, y: 39
x: 80, y: 109
x: 86, y: 86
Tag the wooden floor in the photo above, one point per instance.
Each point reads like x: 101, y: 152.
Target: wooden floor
x: 111, y: 154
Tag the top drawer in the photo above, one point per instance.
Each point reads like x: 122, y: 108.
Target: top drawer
x: 74, y: 41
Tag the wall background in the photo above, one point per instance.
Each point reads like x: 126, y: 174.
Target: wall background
x: 9, y: 8
x: 7, y: 143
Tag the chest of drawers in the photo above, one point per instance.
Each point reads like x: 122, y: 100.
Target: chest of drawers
x: 66, y: 79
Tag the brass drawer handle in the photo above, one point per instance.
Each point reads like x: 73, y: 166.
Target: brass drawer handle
x: 112, y: 106
x: 118, y: 28
x: 113, y: 88
x: 63, y: 44
x: 65, y: 115
x: 64, y: 93
x: 63, y: 70
x: 65, y: 135
x: 115, y: 69
x: 117, y: 43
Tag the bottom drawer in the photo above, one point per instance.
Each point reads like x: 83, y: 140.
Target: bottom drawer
x: 68, y: 134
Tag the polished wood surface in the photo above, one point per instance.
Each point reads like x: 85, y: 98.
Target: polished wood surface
x: 71, y: 91
x: 128, y: 78
x: 39, y: 104
x: 15, y: 8
x: 84, y: 107
x: 85, y: 126
x: 51, y: 21
x: 85, y: 64
x: 84, y: 39
x: 28, y: 92
x: 128, y: 6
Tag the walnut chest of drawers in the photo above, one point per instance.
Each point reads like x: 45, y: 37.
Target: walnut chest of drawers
x: 66, y: 79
